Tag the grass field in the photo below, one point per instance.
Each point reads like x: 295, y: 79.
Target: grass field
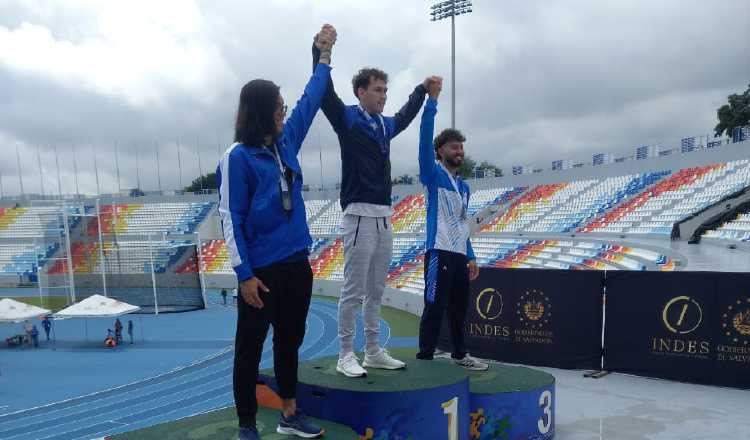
x: 222, y: 425
x: 53, y: 303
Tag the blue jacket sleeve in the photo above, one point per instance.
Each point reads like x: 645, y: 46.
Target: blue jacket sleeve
x: 235, y: 194
x: 427, y: 165
x: 469, y: 250
x: 409, y: 111
x: 295, y: 128
x: 333, y: 107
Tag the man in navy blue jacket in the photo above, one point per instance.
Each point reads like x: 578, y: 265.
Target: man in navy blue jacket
x: 364, y: 137
x: 265, y: 229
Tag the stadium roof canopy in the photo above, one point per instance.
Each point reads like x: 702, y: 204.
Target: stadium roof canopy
x: 97, y: 306
x: 16, y: 311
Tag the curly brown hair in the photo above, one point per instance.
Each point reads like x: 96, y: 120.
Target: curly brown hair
x: 445, y: 136
x: 366, y: 75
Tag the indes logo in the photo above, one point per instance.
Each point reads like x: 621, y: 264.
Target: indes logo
x: 489, y: 304
x: 682, y: 315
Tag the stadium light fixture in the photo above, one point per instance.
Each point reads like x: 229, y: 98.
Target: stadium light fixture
x: 451, y: 9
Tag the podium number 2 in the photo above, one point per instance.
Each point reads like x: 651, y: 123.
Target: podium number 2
x: 545, y: 422
x: 450, y: 408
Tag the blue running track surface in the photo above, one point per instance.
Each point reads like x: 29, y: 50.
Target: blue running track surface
x: 163, y: 381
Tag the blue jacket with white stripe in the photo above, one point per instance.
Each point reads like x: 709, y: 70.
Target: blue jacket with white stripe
x: 447, y: 218
x: 257, y: 230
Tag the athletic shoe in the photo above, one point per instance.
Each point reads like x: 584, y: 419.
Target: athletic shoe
x: 248, y: 434
x: 382, y: 360
x: 442, y: 354
x: 297, y: 424
x: 472, y: 364
x: 349, y: 366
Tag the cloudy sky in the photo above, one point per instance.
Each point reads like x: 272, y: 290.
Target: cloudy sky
x: 536, y: 80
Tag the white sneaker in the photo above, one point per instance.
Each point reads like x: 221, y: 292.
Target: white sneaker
x: 349, y: 366
x: 383, y: 360
x: 441, y: 354
x: 472, y: 364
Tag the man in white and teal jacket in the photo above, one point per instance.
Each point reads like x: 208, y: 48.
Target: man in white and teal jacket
x: 449, y: 260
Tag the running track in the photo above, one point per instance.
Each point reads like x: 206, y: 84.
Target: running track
x: 202, y: 386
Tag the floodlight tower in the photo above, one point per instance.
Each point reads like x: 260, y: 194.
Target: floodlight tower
x: 439, y: 11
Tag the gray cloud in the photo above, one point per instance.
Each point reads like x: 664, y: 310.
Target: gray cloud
x: 535, y: 81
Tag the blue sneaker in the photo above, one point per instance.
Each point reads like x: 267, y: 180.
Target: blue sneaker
x: 248, y: 434
x: 299, y: 426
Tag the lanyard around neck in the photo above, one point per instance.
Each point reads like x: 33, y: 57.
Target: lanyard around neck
x: 455, y: 186
x: 282, y: 168
x: 450, y: 177
x: 373, y: 123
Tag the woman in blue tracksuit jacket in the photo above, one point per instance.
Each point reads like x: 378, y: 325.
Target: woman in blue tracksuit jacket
x: 265, y: 229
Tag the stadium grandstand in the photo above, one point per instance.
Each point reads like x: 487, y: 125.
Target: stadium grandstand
x: 622, y: 216
x: 637, y: 214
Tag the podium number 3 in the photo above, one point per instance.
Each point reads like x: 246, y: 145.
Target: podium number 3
x: 545, y: 422
x: 450, y: 408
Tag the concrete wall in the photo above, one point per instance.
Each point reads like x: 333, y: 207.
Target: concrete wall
x: 210, y: 228
x: 688, y: 227
x: 393, y: 298
x: 170, y: 280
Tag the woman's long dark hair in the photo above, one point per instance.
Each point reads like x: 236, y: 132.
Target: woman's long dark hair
x: 255, y: 121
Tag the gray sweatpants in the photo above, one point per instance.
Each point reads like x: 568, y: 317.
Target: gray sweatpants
x: 368, y: 245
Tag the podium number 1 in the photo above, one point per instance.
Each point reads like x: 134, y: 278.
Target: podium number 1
x: 545, y: 422
x: 450, y: 408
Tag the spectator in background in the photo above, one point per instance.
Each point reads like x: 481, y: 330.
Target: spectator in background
x: 35, y: 336
x: 109, y: 341
x: 130, y: 330
x: 47, y: 325
x: 27, y: 328
x: 224, y: 296
x: 118, y: 331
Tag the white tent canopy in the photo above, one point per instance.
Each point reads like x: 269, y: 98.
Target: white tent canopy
x: 97, y: 306
x: 16, y: 311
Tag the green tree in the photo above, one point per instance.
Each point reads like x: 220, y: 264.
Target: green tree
x: 203, y: 182
x: 488, y: 166
x: 734, y: 114
x: 403, y: 180
x: 466, y: 169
